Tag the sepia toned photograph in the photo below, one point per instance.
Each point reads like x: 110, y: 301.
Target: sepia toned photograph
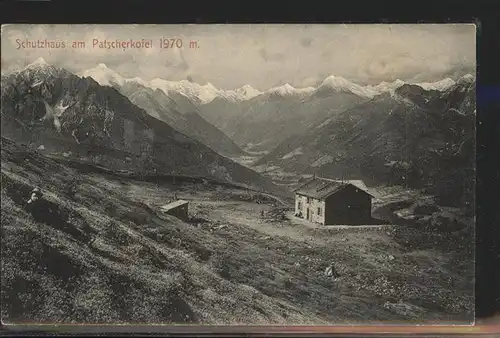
x: 238, y: 174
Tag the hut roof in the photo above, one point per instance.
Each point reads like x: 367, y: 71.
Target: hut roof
x: 321, y: 188
x: 173, y: 205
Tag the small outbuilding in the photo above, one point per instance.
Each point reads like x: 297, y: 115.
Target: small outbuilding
x: 331, y: 202
x: 178, y: 209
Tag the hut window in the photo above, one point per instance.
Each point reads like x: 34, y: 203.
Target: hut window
x: 319, y: 211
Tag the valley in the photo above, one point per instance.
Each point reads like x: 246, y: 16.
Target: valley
x: 287, y: 180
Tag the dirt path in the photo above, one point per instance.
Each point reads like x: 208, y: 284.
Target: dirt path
x: 248, y: 215
x: 224, y: 209
x: 228, y: 211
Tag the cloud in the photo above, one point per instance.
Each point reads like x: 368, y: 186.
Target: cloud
x: 271, y: 57
x: 306, y: 42
x: 230, y: 56
x: 309, y: 82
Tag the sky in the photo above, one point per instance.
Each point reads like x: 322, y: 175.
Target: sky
x: 263, y: 56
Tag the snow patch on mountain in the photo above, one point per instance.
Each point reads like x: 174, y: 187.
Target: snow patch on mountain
x: 323, y: 160
x: 203, y: 94
x: 194, y: 91
x: 325, y: 123
x: 138, y: 80
x: 108, y: 77
x: 54, y: 113
x: 40, y: 62
x: 293, y: 153
x: 104, y: 76
x: 339, y: 84
x: 467, y: 78
x: 243, y: 93
x: 247, y: 92
x: 439, y: 85
x: 38, y: 71
x: 401, y: 99
x: 288, y: 90
x: 385, y: 87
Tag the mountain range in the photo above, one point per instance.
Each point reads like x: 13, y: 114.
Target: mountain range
x: 181, y: 114
x: 392, y: 133
x: 199, y: 94
x: 55, y: 110
x: 170, y: 106
x: 252, y: 119
x: 203, y: 94
x: 412, y: 136
x: 263, y: 122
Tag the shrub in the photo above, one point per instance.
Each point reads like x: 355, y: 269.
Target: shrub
x: 72, y: 187
x: 137, y: 215
x: 115, y: 235
x: 219, y: 263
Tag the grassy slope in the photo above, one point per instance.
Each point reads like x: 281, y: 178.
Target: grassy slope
x: 146, y: 268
